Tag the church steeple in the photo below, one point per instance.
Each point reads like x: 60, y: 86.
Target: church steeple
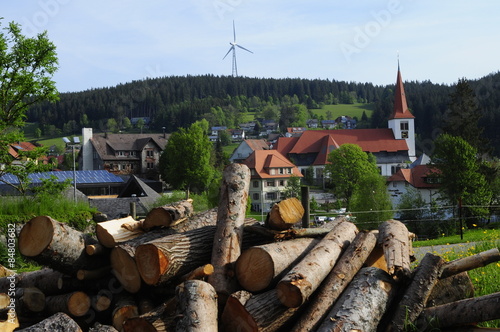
x: 401, y: 110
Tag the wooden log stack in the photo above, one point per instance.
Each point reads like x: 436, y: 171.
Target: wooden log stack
x: 216, y: 270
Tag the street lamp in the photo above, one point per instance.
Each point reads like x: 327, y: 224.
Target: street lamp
x: 76, y: 141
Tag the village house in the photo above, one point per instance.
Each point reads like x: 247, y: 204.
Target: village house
x: 245, y: 149
x: 270, y: 173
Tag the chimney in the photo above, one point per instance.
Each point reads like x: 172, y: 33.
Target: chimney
x: 87, y: 153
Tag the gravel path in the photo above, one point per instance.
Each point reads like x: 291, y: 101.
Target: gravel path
x: 441, y: 249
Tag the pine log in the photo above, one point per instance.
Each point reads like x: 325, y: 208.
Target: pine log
x: 336, y: 282
x: 471, y: 262
x: 57, y: 245
x: 112, y: 232
x: 305, y: 277
x: 47, y: 280
x: 174, y: 255
x: 416, y: 294
x: 123, y: 256
x: 197, y: 306
x: 227, y: 241
x: 395, y: 240
x: 98, y: 327
x: 59, y: 322
x: 463, y: 312
x: 362, y: 304
x: 93, y: 274
x: 285, y: 214
x: 124, y: 308
x: 263, y: 312
x: 161, y: 318
x: 75, y: 304
x: 454, y: 288
x: 199, y: 273
x: 258, y: 267
x: 164, y: 216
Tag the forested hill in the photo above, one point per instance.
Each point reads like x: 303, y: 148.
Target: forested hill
x: 173, y: 102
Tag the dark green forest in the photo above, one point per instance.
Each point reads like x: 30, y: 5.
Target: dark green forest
x: 174, y: 102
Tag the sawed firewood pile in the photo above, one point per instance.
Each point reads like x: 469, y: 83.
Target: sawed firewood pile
x: 179, y: 271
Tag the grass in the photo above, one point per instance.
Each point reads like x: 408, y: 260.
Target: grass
x: 472, y: 235
x: 352, y: 110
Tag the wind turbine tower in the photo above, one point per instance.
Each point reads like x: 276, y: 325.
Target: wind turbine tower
x: 233, y: 48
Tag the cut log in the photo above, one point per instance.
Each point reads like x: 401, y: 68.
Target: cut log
x: 95, y: 249
x: 305, y: 277
x: 93, y: 274
x: 161, y: 318
x: 123, y: 256
x: 199, y: 273
x: 164, y: 216
x: 285, y: 214
x: 57, y: 245
x: 451, y: 289
x: 471, y: 262
x: 258, y: 267
x: 124, y: 308
x: 245, y: 312
x: 416, y: 294
x: 47, y: 280
x: 98, y: 327
x: 5, y: 272
x: 227, y: 241
x: 59, y: 322
x: 10, y: 325
x: 362, y: 304
x: 174, y: 255
x: 30, y: 300
x: 288, y: 234
x: 459, y: 313
x: 4, y: 300
x: 75, y: 304
x: 112, y: 232
x: 100, y: 302
x: 395, y: 240
x: 197, y: 306
x: 338, y: 279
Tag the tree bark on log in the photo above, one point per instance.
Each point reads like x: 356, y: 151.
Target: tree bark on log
x: 258, y: 267
x: 362, y: 304
x: 199, y: 273
x: 305, y: 277
x: 471, y: 262
x: 124, y: 308
x: 464, y: 312
x: 338, y: 279
x: 161, y: 318
x: 57, y: 245
x: 93, y: 274
x: 288, y: 234
x: 98, y: 327
x: 227, y: 241
x: 30, y: 300
x: 75, y: 304
x: 123, y: 256
x: 263, y: 312
x: 285, y: 214
x: 197, y: 306
x: 112, y: 232
x: 164, y: 216
x: 59, y: 322
x: 95, y: 249
x: 451, y: 289
x: 395, y: 240
x: 47, y: 280
x: 416, y: 294
x: 162, y: 259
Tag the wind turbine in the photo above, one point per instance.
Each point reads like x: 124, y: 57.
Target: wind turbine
x: 233, y: 48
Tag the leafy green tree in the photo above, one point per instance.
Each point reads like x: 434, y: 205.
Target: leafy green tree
x: 313, y: 204
x: 458, y: 169
x: 127, y: 124
x: 140, y: 124
x: 112, y: 125
x: 26, y: 69
x: 348, y: 165
x: 371, y: 200
x: 292, y: 188
x: 186, y: 161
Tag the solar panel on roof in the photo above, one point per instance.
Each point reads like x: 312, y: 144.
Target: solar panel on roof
x: 82, y: 177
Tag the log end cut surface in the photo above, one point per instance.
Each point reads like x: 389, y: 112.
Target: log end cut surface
x: 79, y: 304
x: 151, y: 263
x: 289, y: 293
x: 125, y: 270
x: 35, y: 236
x: 254, y: 269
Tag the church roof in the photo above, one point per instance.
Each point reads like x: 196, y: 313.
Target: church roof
x: 401, y: 110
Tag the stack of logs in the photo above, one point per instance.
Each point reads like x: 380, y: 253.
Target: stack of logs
x: 179, y: 271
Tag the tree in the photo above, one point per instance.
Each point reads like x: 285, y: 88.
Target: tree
x: 292, y: 188
x: 26, y: 69
x: 186, y: 161
x: 458, y: 169
x: 371, y: 200
x: 348, y: 164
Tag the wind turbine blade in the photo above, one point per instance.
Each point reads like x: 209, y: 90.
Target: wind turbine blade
x: 230, y: 49
x: 234, y: 32
x: 244, y: 48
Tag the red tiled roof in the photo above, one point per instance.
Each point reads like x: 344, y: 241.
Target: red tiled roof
x: 257, y: 144
x: 20, y: 146
x: 401, y: 110
x: 285, y: 144
x: 260, y: 160
x: 415, y: 176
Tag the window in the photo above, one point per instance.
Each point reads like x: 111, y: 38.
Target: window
x: 120, y: 153
x: 271, y: 196
x: 270, y: 183
x: 404, y: 125
x: 149, y: 153
x: 150, y: 165
x: 289, y: 171
x: 282, y: 171
x: 256, y: 184
x: 132, y: 153
x: 255, y: 197
x: 282, y: 183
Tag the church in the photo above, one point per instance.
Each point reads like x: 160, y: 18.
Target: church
x: 393, y: 147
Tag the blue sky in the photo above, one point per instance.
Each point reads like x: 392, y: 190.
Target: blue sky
x: 105, y: 43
